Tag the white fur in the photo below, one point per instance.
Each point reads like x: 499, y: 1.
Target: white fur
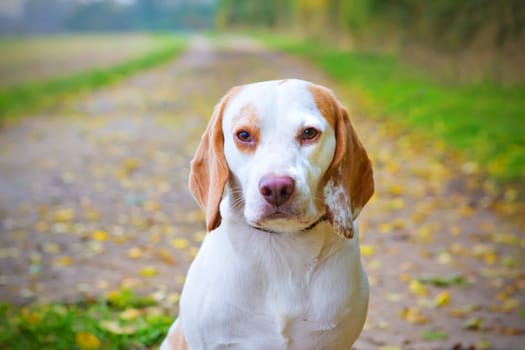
x: 290, y: 289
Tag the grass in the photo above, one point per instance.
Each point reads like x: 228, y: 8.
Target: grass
x: 484, y: 121
x: 32, y: 58
x: 125, y: 321
x: 30, y: 96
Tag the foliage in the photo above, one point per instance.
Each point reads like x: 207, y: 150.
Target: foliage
x: 85, y: 326
x: 26, y: 97
x: 484, y: 120
x: 448, y: 23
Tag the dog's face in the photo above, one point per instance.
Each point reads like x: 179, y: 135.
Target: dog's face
x: 278, y: 146
x: 289, y: 155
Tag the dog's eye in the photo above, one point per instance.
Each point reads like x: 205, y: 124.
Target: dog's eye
x: 244, y: 136
x: 309, y: 135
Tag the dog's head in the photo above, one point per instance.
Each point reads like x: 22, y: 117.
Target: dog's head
x: 288, y: 154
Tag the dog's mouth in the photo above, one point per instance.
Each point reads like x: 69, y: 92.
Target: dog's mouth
x: 279, y: 222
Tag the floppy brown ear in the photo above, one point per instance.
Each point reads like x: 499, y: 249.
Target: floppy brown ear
x: 209, y: 170
x: 349, y: 182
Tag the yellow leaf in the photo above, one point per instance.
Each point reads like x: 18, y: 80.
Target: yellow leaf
x: 128, y: 166
x: 417, y: 288
x: 64, y: 215
x: 385, y: 227
x: 413, y: 315
x: 31, y: 317
x: 151, y: 206
x: 394, y: 297
x: 148, y: 271
x: 199, y: 236
x: 129, y: 314
x: 62, y: 261
x: 115, y: 328
x: 442, y: 299
x: 444, y: 258
x: 180, y: 243
x: 484, y: 345
x: 389, y: 347
x: 367, y: 250
x: 51, y: 248
x: 91, y: 214
x: 490, y: 258
x: 510, y: 305
x: 87, y: 341
x: 395, y: 189
x: 166, y: 256
x: 134, y: 253
x: 99, y: 235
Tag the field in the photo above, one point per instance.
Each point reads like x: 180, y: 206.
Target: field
x: 29, y: 59
x: 41, y: 71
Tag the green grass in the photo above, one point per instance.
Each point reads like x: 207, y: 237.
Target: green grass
x: 123, y: 322
x: 30, y: 96
x: 484, y: 121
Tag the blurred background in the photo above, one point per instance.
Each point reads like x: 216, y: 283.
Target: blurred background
x: 103, y: 102
x: 478, y: 38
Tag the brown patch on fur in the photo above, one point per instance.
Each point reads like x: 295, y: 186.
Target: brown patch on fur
x: 350, y: 168
x: 246, y: 120
x: 209, y: 170
x: 282, y: 82
x: 325, y: 101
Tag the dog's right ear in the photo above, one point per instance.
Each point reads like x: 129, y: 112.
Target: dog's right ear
x: 209, y: 170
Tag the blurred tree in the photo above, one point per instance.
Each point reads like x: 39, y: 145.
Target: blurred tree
x: 446, y: 23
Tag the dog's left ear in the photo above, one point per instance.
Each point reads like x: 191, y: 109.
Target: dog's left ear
x: 209, y: 170
x: 349, y: 182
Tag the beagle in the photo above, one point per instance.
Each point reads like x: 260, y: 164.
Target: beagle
x: 282, y: 177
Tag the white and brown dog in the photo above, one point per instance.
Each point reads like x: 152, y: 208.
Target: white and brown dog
x: 282, y: 177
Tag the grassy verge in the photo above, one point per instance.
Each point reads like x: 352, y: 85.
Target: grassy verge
x: 125, y: 321
x: 30, y: 96
x: 484, y: 121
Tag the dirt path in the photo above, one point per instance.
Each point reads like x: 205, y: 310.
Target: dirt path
x: 94, y: 198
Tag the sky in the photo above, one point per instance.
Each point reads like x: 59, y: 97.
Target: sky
x: 13, y: 8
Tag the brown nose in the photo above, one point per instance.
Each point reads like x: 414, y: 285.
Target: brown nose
x: 276, y: 190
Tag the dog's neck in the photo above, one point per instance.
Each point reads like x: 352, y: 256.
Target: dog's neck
x: 305, y: 247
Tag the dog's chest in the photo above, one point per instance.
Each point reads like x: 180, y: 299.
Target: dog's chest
x: 272, y: 303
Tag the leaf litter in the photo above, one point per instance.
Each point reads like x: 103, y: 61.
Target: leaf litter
x: 108, y: 213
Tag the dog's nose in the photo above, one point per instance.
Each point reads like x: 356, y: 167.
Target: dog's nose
x: 276, y: 190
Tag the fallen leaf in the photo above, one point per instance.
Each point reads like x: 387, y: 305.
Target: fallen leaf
x: 99, y: 235
x: 473, y: 323
x: 129, y: 314
x: 31, y: 317
x: 442, y: 299
x: 443, y: 281
x: 166, y: 256
x: 414, y: 315
x: 87, y: 341
x: 434, y: 335
x: 510, y: 305
x: 134, y: 253
x: 116, y: 328
x: 389, y: 347
x: 417, y: 288
x: 62, y: 261
x: 180, y: 243
x: 64, y: 215
x: 148, y: 271
x: 367, y: 250
x: 484, y: 345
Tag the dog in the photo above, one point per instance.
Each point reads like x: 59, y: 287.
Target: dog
x: 282, y: 177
